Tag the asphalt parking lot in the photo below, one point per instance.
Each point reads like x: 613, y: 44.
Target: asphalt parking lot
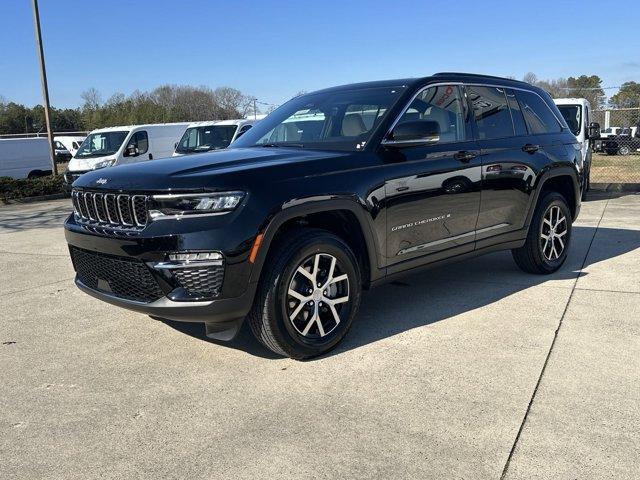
x: 474, y: 370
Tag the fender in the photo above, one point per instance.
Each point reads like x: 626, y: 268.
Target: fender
x: 310, y: 206
x: 564, y: 170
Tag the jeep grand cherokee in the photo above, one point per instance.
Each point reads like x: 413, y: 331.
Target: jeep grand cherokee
x: 334, y: 192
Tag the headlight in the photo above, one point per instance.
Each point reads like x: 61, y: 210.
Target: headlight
x: 105, y: 163
x: 194, y: 203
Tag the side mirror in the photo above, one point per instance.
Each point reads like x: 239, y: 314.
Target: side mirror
x: 594, y: 130
x: 131, y: 151
x: 415, y: 132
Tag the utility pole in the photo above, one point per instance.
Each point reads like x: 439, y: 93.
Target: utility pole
x: 45, y: 89
x: 255, y: 112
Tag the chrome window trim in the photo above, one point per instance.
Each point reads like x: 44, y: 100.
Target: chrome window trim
x: 463, y: 84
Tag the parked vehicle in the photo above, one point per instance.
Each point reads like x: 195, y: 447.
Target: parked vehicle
x: 289, y: 224
x: 24, y: 157
x: 625, y: 143
x: 107, y: 147
x: 71, y: 143
x: 577, y: 113
x: 62, y: 154
x: 609, y: 132
x: 206, y: 136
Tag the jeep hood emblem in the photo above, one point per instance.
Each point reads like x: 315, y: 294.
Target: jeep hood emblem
x: 101, y: 181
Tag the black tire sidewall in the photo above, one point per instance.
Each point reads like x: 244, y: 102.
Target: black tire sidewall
x: 295, y: 344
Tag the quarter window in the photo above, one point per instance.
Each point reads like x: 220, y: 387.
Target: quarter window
x: 516, y: 113
x: 491, y: 112
x: 441, y: 105
x: 537, y: 114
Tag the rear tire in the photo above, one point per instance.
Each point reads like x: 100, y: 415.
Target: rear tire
x: 547, y: 243
x: 308, y: 295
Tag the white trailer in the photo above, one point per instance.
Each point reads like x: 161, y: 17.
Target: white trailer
x: 24, y: 157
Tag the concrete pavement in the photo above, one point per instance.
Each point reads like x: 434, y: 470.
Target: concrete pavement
x: 474, y: 370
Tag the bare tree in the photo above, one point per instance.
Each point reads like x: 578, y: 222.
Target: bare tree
x: 531, y: 78
x: 92, y: 98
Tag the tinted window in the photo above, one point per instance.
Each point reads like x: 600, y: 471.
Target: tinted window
x: 442, y: 105
x: 491, y: 112
x: 537, y: 114
x: 516, y: 113
x: 140, y: 140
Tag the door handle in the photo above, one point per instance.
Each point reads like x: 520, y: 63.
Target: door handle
x: 530, y: 148
x: 465, y: 156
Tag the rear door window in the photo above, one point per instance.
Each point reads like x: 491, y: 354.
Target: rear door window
x: 539, y: 117
x: 491, y: 112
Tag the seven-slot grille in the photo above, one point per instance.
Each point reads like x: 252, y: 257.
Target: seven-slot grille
x: 110, y: 209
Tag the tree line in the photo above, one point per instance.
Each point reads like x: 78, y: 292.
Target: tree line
x: 167, y: 103
x: 175, y: 103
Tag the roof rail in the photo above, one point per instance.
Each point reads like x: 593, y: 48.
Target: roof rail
x: 478, y: 75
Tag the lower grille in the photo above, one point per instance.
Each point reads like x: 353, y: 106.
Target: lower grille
x: 201, y: 282
x: 120, y: 276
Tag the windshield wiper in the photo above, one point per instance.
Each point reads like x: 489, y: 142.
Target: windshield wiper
x: 275, y: 145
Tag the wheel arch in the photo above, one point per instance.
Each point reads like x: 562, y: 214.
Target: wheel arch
x: 332, y: 215
x: 559, y: 179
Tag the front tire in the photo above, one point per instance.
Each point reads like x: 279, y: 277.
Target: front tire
x: 547, y: 243
x: 308, y: 295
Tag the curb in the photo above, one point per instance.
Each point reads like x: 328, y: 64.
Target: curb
x: 616, y: 187
x: 40, y: 198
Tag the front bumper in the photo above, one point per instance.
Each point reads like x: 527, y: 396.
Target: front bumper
x: 222, y: 313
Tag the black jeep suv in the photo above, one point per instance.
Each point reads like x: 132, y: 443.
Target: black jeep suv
x: 333, y: 192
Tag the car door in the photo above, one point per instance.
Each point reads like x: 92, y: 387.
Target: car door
x: 510, y: 156
x: 433, y: 189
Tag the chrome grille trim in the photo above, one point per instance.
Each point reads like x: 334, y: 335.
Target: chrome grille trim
x: 88, y: 203
x: 112, y: 197
x: 109, y: 210
x: 122, y: 198
x: 137, y: 220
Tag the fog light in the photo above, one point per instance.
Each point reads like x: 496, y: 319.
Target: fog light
x: 194, y: 257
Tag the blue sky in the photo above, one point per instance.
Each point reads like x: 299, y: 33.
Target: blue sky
x: 273, y: 49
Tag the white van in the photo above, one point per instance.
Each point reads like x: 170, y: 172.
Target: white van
x: 205, y: 136
x: 24, y: 157
x: 106, y: 147
x: 577, y: 113
x: 71, y: 143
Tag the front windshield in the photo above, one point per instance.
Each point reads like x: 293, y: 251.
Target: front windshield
x: 341, y: 120
x: 101, y: 144
x: 203, y: 139
x: 573, y: 116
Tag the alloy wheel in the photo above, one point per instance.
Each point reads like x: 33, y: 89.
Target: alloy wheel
x: 553, y: 233
x: 317, y: 295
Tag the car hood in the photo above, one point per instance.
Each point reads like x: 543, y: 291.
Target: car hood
x: 222, y: 167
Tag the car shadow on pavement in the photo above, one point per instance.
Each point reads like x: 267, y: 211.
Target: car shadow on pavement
x: 437, y: 294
